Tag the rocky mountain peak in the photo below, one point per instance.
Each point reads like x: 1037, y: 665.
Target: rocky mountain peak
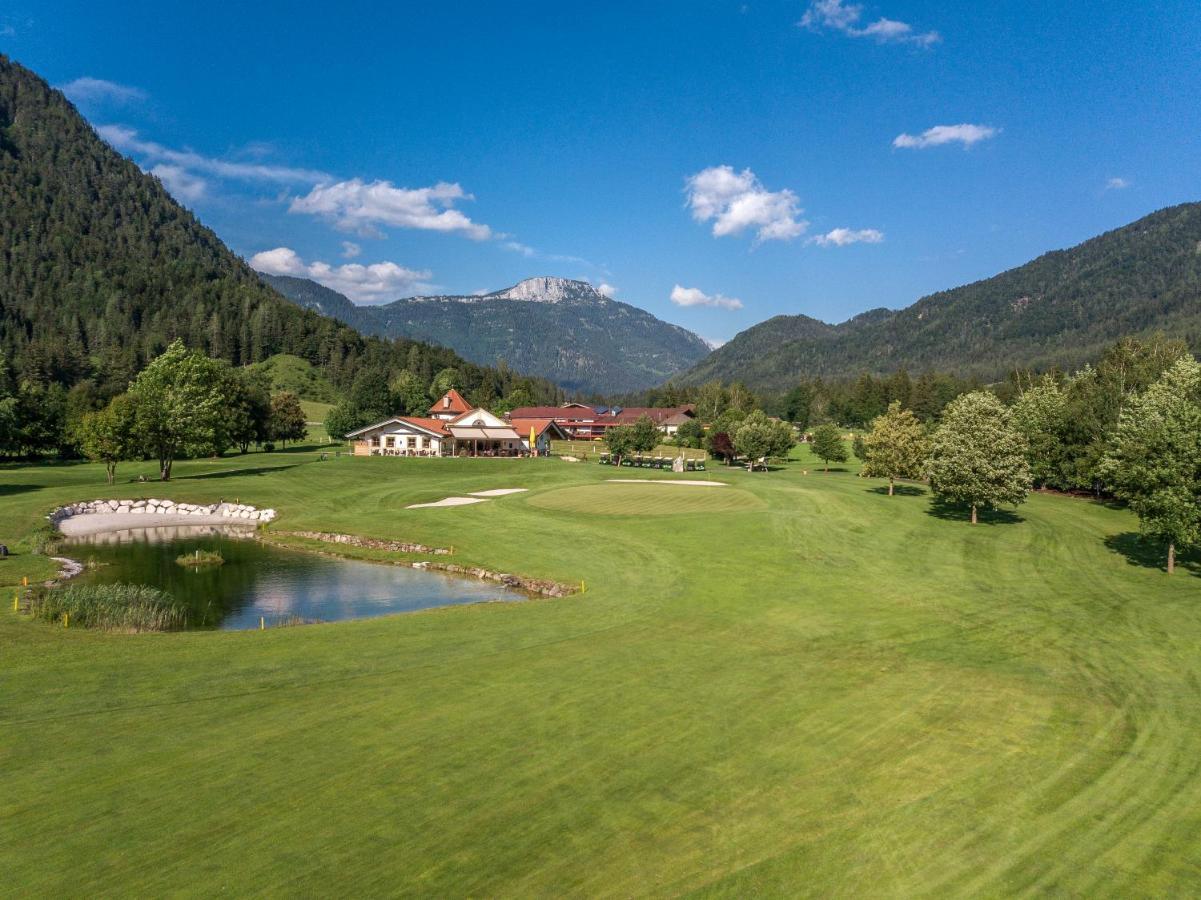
x: 548, y: 289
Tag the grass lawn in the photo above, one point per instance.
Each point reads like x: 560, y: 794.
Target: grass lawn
x: 790, y: 685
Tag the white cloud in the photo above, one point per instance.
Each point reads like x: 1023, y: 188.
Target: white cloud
x: 1116, y: 184
x: 737, y: 201
x: 126, y: 139
x: 841, y: 237
x: 180, y: 183
x: 7, y: 31
x: 350, y: 249
x: 360, y: 206
x: 682, y: 296
x: 607, y: 290
x: 946, y: 134
x: 376, y: 283
x: 94, y: 90
x: 518, y: 247
x: 837, y: 15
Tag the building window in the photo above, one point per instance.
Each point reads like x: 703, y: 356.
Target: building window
x: 411, y: 442
x: 389, y: 441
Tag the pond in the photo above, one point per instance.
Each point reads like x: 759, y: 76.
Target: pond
x: 259, y: 580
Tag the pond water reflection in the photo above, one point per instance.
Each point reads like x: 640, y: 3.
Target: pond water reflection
x: 260, y: 580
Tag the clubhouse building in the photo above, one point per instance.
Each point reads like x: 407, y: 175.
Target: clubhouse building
x: 589, y: 423
x: 453, y: 427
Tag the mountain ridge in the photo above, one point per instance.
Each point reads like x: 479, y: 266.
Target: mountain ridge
x: 557, y: 328
x: 1060, y: 309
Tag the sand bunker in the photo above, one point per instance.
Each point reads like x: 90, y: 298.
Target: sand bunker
x: 499, y: 492
x: 96, y: 523
x: 449, y: 501
x: 666, y: 481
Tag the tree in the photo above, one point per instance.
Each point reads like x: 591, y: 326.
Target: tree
x: 410, y: 394
x: 371, y: 397
x: 828, y: 445
x: 896, y: 447
x: 180, y: 399
x: 247, y: 409
x: 620, y: 441
x: 719, y: 440
x: 1154, y: 463
x: 447, y: 379
x: 754, y: 438
x: 690, y: 434
x: 798, y: 405
x: 343, y: 419
x: 644, y: 435
x: 286, y: 420
x: 977, y: 457
x: 1039, y: 415
x: 109, y: 435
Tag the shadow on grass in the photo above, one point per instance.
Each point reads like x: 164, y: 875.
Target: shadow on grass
x: 901, y: 490
x: 1150, y: 554
x: 237, y: 473
x: 6, y: 489
x: 958, y: 512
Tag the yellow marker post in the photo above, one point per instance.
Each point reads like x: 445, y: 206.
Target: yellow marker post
x: 262, y: 624
x: 16, y: 602
x: 533, y: 443
x: 24, y: 581
x: 66, y: 620
x: 583, y: 587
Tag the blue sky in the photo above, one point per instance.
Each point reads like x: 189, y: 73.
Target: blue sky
x: 746, y: 158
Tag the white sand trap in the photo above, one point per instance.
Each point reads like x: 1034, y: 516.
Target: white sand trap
x: 667, y: 481
x: 449, y: 501
x: 98, y: 523
x: 499, y: 492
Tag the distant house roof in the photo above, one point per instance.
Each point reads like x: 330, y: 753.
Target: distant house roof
x: 450, y: 402
x: 483, y: 433
x: 523, y: 426
x: 660, y: 415
x: 435, y: 427
x: 558, y: 413
x: 605, y: 416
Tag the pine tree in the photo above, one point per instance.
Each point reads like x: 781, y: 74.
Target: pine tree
x: 828, y: 445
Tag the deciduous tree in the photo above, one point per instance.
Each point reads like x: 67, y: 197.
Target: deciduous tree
x: 896, y: 447
x: 180, y: 399
x: 286, y: 421
x: 977, y: 457
x: 1154, y: 463
x: 109, y: 435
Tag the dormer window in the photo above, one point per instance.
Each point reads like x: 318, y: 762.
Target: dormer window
x: 446, y: 402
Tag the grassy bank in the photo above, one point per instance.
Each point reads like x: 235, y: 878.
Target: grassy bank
x: 799, y: 687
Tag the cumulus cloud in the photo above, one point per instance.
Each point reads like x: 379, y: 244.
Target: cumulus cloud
x: 682, y: 296
x: 180, y: 183
x: 946, y: 134
x: 95, y: 90
x: 1116, y: 184
x: 127, y: 140
x: 350, y: 249
x: 841, y: 237
x: 607, y: 290
x: 361, y: 206
x: 377, y: 283
x: 738, y: 201
x: 847, y: 18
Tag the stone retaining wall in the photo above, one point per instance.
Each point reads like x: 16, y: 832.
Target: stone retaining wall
x: 354, y: 540
x: 531, y: 585
x: 234, y: 511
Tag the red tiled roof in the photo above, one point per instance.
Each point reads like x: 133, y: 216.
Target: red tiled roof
x: 428, y: 424
x: 457, y: 403
x: 523, y: 426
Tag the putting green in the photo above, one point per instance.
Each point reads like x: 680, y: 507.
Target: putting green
x: 618, y: 499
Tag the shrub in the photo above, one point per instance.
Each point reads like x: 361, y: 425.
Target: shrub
x: 111, y: 607
x: 200, y: 558
x: 45, y: 539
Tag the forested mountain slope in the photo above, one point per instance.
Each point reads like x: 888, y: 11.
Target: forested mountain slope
x: 1061, y: 309
x: 558, y: 328
x: 100, y: 269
